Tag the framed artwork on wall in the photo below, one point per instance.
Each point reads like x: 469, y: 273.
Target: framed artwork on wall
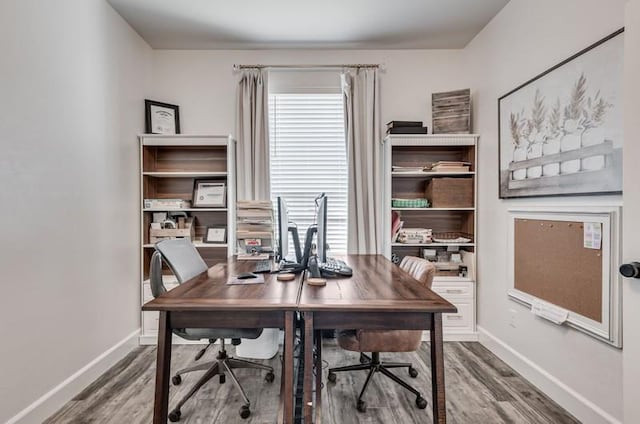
x: 560, y: 133
x: 161, y: 118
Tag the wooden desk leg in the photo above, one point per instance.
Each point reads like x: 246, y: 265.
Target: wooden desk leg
x: 289, y: 335
x: 437, y: 370
x: 308, y: 368
x: 318, y: 375
x: 163, y: 370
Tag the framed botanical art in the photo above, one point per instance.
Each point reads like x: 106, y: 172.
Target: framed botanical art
x: 161, y: 118
x: 561, y: 132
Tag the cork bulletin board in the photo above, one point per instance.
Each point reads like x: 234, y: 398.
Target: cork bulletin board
x: 551, y: 264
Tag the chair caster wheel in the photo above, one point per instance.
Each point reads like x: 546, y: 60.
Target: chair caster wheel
x: 421, y: 402
x: 363, y: 359
x: 361, y: 406
x: 413, y: 373
x: 223, y: 378
x: 244, y: 412
x: 332, y: 377
x: 174, y: 416
x: 176, y: 380
x: 269, y: 377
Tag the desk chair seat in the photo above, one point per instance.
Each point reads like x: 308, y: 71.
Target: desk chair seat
x: 377, y: 341
x: 185, y: 262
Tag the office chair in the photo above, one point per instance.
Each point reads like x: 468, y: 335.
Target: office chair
x: 185, y: 262
x: 376, y: 341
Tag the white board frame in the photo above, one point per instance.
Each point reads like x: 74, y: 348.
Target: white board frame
x: 609, y: 330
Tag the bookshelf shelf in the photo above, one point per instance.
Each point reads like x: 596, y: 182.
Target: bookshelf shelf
x: 399, y: 174
x: 184, y: 174
x: 185, y: 210
x: 433, y: 209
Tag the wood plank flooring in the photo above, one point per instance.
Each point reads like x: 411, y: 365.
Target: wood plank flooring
x: 480, y: 389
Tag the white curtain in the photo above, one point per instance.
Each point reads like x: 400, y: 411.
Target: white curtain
x: 364, y: 155
x: 252, y: 135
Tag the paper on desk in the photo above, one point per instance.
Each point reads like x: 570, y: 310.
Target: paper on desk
x: 592, y: 235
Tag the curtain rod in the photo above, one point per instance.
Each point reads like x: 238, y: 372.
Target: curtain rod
x: 351, y: 65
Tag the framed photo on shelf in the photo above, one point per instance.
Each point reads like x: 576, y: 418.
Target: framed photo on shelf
x: 161, y: 118
x: 209, y: 194
x: 215, y: 235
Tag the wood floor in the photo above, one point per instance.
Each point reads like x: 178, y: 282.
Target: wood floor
x: 480, y: 389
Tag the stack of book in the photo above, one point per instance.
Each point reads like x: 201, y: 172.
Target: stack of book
x: 254, y: 229
x: 406, y: 127
x: 450, y: 166
x: 408, y: 169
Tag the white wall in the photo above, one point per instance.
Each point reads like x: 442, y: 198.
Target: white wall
x: 631, y: 248
x: 203, y: 82
x: 72, y: 87
x: 524, y: 39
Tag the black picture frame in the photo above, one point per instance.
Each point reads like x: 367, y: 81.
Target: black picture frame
x: 208, y: 240
x: 557, y: 187
x: 149, y: 119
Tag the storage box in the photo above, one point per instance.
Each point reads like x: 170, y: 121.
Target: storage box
x: 450, y: 192
x: 188, y: 232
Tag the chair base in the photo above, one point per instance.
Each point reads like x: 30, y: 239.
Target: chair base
x: 222, y: 366
x: 374, y: 365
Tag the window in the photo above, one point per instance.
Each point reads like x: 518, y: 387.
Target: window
x: 308, y: 157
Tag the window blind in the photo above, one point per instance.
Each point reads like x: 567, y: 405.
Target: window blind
x: 308, y: 157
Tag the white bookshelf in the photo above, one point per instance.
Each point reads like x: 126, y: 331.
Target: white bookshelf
x: 169, y: 167
x: 401, y: 149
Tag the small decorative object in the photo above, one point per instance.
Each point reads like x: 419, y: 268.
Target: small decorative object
x: 216, y: 235
x: 452, y: 237
x: 161, y: 118
x: 463, y: 271
x: 561, y: 132
x: 451, y: 112
x: 209, y: 194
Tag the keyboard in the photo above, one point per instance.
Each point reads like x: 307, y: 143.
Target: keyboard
x: 263, y: 265
x: 335, y: 267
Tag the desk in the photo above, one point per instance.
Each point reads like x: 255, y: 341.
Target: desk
x: 379, y: 296
x: 206, y: 301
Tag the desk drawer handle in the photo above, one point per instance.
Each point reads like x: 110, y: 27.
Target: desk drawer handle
x: 450, y: 317
x: 455, y: 291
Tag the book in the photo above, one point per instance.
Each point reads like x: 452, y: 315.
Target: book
x: 408, y: 130
x: 396, y: 124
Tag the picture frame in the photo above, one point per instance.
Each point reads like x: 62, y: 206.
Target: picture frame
x: 561, y: 132
x: 215, y: 235
x: 209, y: 194
x: 161, y: 118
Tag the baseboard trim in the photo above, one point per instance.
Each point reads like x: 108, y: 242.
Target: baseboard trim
x: 580, y: 407
x: 53, y: 400
x: 453, y: 337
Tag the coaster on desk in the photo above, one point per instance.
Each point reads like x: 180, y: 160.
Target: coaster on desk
x: 286, y: 276
x: 317, y: 281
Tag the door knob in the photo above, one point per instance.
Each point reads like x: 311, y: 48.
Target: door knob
x: 630, y: 270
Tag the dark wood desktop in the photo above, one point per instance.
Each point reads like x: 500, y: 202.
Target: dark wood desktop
x: 206, y: 301
x: 379, y: 296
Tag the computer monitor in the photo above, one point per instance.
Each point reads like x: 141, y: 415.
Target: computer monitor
x: 321, y: 222
x: 284, y: 227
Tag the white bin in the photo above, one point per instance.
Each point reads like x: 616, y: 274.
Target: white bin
x: 264, y: 347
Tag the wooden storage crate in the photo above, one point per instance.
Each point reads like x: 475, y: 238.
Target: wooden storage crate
x: 188, y: 232
x: 450, y: 192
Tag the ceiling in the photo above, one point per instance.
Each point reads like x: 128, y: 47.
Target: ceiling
x: 339, y: 24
